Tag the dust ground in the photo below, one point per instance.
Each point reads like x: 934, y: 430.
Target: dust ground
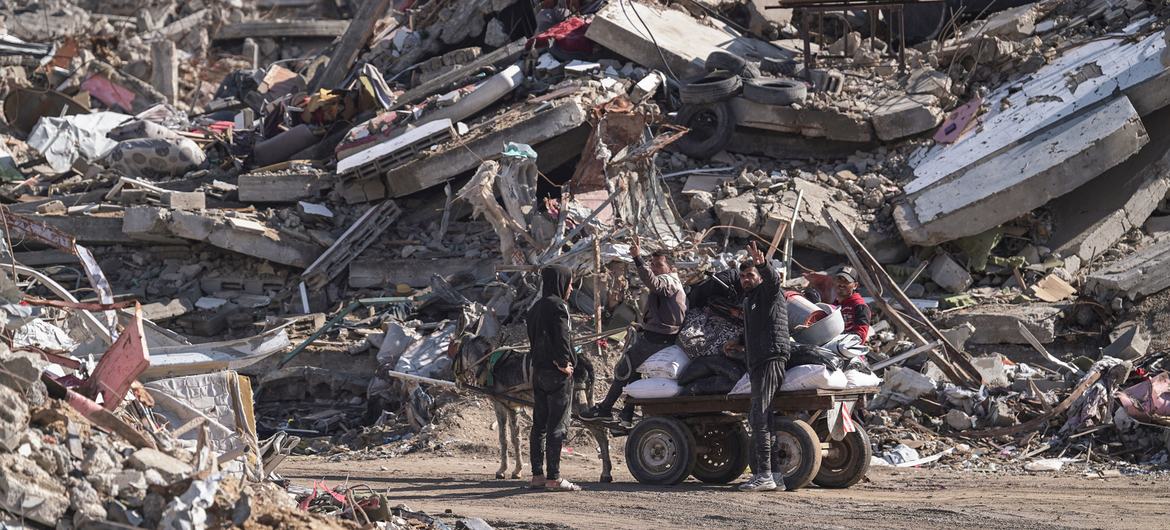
x: 890, y: 498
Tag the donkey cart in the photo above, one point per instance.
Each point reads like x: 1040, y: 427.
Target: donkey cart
x: 816, y: 439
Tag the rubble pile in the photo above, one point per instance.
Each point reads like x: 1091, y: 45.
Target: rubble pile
x: 329, y: 200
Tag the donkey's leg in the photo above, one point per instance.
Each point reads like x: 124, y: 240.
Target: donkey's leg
x: 602, y: 436
x: 514, y: 425
x: 502, y: 412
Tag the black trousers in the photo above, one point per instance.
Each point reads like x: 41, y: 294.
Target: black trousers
x: 626, y: 370
x: 552, y: 394
x: 766, y: 380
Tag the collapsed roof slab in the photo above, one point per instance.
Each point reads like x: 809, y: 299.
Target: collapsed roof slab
x: 1023, y: 177
x: 647, y: 34
x: 1076, y: 80
x: 1094, y: 217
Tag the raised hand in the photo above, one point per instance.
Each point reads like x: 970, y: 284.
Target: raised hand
x: 754, y: 252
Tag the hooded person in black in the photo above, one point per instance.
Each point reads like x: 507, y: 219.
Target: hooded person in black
x: 552, y: 377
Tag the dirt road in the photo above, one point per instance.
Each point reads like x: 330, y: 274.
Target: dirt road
x: 892, y: 498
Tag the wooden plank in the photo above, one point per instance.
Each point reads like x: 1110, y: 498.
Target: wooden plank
x: 345, y: 53
x: 293, y: 29
x: 164, y: 69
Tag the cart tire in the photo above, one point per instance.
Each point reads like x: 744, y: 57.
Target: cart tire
x: 798, y: 452
x: 845, y: 462
x: 660, y: 450
x: 721, y: 453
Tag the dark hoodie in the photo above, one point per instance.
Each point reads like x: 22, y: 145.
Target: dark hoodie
x: 548, y: 322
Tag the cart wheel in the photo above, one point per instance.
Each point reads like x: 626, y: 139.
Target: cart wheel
x: 845, y: 462
x: 798, y: 452
x: 722, y: 452
x: 660, y: 450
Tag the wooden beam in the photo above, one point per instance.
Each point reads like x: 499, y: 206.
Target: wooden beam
x: 345, y: 53
x: 1036, y: 423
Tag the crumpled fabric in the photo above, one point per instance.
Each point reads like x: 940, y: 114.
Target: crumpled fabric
x: 64, y: 141
x: 1148, y: 401
x: 704, y: 333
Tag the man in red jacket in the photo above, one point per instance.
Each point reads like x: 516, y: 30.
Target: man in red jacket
x: 853, y: 307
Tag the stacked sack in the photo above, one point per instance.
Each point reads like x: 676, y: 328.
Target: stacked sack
x: 660, y: 375
x: 813, y: 367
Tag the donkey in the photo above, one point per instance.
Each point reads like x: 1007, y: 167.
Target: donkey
x: 510, y: 388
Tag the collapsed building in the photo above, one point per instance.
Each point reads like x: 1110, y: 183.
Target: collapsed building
x: 308, y: 199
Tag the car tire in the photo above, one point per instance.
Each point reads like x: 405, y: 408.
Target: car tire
x: 775, y: 91
x: 711, y: 126
x: 716, y: 86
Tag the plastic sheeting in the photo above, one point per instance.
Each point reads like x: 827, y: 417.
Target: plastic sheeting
x: 64, y: 141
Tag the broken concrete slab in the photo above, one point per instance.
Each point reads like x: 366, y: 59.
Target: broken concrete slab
x: 989, y: 192
x: 527, y: 125
x: 788, y: 146
x: 678, y: 37
x: 948, y: 274
x: 380, y: 273
x: 814, y: 123
x: 281, y: 186
x: 1137, y: 275
x: 30, y: 491
x: 999, y: 324
x: 169, y: 467
x: 905, y: 116
x: 1091, y: 219
x: 740, y: 211
x: 810, y: 230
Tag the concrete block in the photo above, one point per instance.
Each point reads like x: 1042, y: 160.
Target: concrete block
x: 189, y: 225
x: 165, y: 310
x: 991, y: 371
x: 959, y: 335
x: 169, y: 467
x: 983, y: 194
x: 1138, y: 275
x: 740, y: 211
x: 1000, y: 324
x: 1130, y: 345
x: 144, y: 220
x: 683, y: 40
x: 948, y: 274
x: 185, y: 200
x: 905, y: 116
x: 959, y: 420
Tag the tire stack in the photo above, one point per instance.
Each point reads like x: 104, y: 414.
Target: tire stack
x: 707, y: 111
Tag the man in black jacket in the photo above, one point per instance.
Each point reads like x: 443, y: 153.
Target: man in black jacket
x: 552, y: 377
x: 766, y: 339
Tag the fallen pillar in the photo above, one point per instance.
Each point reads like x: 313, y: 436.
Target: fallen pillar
x: 289, y: 185
x: 678, y: 37
x: 986, y: 193
x: 999, y: 324
x: 1140, y: 274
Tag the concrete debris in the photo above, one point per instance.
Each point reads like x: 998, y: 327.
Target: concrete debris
x: 337, y: 202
